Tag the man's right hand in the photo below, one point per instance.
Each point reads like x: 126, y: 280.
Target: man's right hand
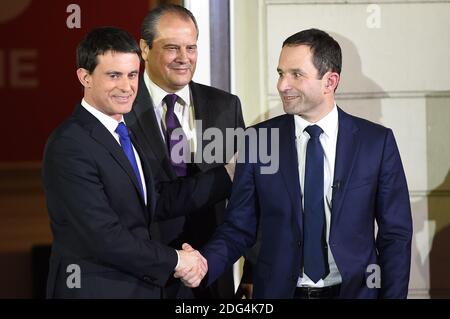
x: 192, y: 266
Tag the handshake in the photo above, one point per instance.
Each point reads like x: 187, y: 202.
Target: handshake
x: 192, y: 266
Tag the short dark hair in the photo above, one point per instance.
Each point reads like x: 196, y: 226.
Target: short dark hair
x: 148, y: 27
x: 101, y: 40
x: 327, y: 55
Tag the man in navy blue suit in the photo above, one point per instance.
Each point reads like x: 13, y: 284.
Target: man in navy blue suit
x: 338, y: 176
x: 100, y: 191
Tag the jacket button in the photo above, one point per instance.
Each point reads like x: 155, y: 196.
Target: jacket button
x: 299, y: 243
x: 147, y: 279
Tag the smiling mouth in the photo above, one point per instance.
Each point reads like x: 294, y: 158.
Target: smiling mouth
x: 290, y: 97
x: 181, y: 69
x: 122, y: 99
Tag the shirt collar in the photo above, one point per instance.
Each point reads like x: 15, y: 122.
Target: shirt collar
x: 329, y: 123
x: 107, y: 121
x: 158, y: 94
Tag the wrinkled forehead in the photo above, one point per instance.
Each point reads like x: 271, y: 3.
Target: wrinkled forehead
x: 172, y: 23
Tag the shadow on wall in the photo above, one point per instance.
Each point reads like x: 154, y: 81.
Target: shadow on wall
x: 357, y: 94
x: 438, y: 172
x: 431, y: 257
x: 439, y: 212
x: 430, y: 248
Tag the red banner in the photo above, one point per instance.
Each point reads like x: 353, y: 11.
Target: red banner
x: 38, y: 83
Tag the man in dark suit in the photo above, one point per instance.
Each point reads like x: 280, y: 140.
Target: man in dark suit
x: 338, y: 176
x: 167, y: 93
x: 100, y: 191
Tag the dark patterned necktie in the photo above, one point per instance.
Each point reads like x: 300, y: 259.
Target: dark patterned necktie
x: 177, y: 157
x: 314, y: 249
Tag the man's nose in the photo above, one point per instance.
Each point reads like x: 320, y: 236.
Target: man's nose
x: 284, y: 84
x: 125, y: 85
x: 182, y: 55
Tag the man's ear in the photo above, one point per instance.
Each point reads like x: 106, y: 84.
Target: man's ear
x: 144, y: 49
x: 84, y: 77
x: 331, y: 81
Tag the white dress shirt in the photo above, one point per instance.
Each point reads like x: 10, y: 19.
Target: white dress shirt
x: 328, y: 139
x: 184, y: 111
x: 111, y: 125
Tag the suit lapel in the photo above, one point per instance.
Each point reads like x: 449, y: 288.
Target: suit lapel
x: 289, y: 166
x: 145, y: 118
x: 201, y: 113
x: 148, y: 176
x: 99, y: 133
x: 346, y: 152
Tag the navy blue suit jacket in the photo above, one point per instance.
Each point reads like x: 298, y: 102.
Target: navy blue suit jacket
x: 372, y: 186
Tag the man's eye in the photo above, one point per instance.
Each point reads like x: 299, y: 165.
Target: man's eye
x: 114, y: 76
x: 132, y: 75
x: 297, y: 75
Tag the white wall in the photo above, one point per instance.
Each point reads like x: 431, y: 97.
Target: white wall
x: 200, y: 10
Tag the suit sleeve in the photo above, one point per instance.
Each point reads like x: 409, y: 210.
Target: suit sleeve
x: 76, y: 196
x: 239, y: 230
x: 185, y: 195
x: 252, y: 254
x: 394, y: 223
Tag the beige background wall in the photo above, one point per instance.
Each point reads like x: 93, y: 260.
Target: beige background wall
x: 395, y: 72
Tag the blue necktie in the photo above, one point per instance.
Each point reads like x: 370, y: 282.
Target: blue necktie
x: 127, y: 147
x: 314, y: 252
x: 172, y: 123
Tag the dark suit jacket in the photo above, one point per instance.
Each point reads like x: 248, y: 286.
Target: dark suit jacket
x: 216, y: 109
x: 99, y: 219
x: 372, y: 186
